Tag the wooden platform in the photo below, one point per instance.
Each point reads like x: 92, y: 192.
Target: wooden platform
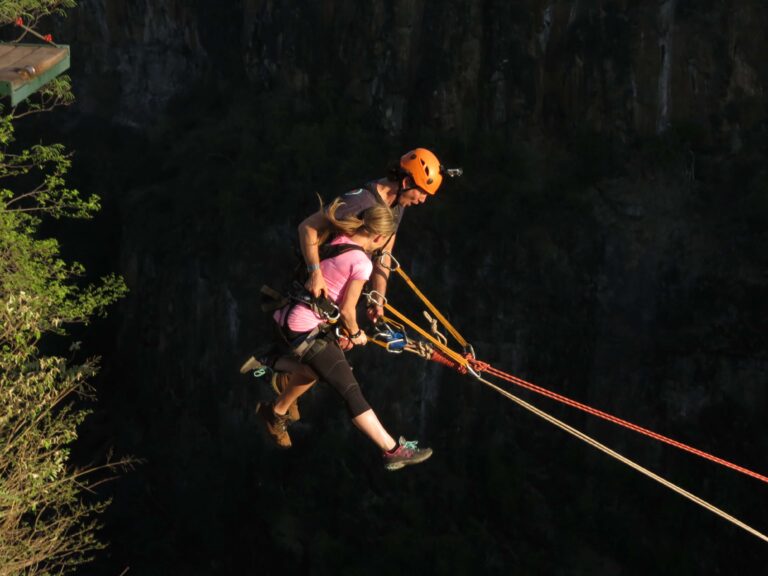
x: 24, y: 68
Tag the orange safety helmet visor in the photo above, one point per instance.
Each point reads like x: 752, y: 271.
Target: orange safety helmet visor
x: 424, y: 167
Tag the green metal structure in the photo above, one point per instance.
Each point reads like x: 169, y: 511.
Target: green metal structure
x: 24, y: 68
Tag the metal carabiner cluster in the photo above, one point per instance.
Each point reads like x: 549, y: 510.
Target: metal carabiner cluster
x: 393, y: 336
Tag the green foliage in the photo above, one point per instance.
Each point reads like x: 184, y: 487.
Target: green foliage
x: 32, y: 10
x: 42, y: 168
x: 47, y: 526
x: 57, y: 92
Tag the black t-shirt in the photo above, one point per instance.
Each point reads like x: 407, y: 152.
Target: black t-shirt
x: 360, y: 199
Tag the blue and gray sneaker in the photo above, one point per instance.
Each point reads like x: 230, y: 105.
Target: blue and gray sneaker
x: 406, y: 453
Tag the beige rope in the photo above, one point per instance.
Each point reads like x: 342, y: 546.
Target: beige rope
x: 594, y: 443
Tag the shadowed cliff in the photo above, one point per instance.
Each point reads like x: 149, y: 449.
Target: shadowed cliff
x: 608, y: 241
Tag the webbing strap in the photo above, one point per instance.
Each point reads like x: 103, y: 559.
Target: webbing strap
x: 443, y: 320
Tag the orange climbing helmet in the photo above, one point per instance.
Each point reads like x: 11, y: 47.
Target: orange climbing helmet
x: 424, y: 167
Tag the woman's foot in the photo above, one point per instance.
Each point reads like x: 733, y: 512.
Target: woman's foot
x: 404, y: 454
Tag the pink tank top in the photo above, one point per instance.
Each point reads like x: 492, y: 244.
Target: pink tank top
x: 338, y: 271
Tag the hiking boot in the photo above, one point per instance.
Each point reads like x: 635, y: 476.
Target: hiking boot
x: 276, y: 425
x: 279, y: 384
x: 405, y: 454
x: 251, y: 365
x: 261, y: 362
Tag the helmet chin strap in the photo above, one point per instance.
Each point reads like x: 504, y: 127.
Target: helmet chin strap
x: 400, y: 190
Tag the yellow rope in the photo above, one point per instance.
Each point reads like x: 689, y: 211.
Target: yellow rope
x: 551, y: 419
x: 372, y: 341
x: 432, y: 308
x: 447, y: 351
x: 595, y: 444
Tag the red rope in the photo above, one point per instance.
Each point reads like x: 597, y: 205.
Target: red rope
x: 445, y: 361
x: 482, y: 367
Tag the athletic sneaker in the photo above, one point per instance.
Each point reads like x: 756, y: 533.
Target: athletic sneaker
x: 405, y: 454
x: 279, y: 383
x: 275, y: 425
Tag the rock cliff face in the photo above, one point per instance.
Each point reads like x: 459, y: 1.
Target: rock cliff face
x: 458, y: 65
x: 608, y: 241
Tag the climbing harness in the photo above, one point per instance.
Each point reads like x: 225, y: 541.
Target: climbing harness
x: 434, y: 347
x: 307, y: 345
x: 315, y: 340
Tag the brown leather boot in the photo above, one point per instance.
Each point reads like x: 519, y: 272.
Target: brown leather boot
x: 275, y: 425
x: 279, y: 384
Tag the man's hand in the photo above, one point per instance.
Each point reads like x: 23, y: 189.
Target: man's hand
x: 344, y: 343
x: 361, y: 339
x: 316, y: 284
x: 375, y: 312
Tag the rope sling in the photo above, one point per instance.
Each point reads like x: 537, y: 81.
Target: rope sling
x: 435, y: 348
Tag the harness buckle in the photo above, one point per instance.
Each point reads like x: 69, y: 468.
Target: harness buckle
x: 323, y: 307
x: 329, y: 311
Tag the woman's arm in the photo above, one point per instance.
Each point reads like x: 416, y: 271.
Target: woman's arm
x: 308, y: 233
x: 349, y: 312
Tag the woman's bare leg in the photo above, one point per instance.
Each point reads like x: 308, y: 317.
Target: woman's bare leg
x: 369, y: 423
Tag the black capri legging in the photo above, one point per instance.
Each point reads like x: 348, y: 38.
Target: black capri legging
x: 330, y: 364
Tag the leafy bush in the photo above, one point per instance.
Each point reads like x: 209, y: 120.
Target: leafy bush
x: 47, y: 520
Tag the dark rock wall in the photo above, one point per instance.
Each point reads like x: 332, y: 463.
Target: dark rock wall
x: 608, y: 241
x: 459, y: 65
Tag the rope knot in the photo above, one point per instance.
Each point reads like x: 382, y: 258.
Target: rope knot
x: 478, y: 365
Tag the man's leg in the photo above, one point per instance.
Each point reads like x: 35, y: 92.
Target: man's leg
x: 300, y: 379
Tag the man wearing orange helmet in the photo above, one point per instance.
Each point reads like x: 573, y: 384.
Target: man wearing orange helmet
x: 418, y: 175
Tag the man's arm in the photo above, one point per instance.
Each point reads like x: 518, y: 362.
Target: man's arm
x: 379, y: 278
x: 308, y: 233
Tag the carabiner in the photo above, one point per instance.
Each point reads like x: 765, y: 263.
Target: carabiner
x: 339, y: 335
x: 375, y: 298
x: 395, y: 342
x: 332, y: 317
x: 391, y: 267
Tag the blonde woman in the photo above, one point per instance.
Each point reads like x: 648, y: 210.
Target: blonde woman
x: 345, y: 275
